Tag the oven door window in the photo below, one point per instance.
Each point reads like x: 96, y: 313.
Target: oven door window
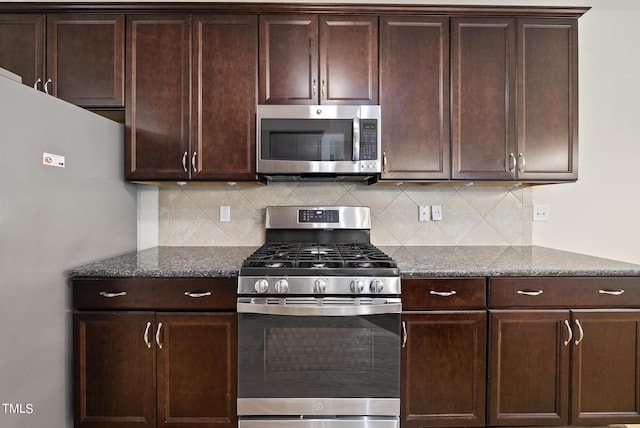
x: 318, y: 357
x: 307, y: 139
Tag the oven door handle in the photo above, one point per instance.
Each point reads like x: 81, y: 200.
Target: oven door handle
x: 319, y: 310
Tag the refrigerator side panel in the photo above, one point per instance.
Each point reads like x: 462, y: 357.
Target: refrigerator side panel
x: 63, y: 203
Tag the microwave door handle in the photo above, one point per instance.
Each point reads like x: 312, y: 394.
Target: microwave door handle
x: 356, y: 139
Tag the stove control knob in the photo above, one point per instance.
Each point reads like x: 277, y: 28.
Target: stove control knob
x: 357, y: 286
x: 282, y: 286
x: 319, y: 286
x: 261, y: 286
x: 376, y: 286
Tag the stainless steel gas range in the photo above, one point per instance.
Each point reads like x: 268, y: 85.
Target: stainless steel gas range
x: 318, y: 324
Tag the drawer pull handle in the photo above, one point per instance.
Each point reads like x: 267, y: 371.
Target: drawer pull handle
x: 570, y: 331
x: 404, y: 334
x: 158, y: 336
x: 580, y: 332
x: 196, y: 295
x: 110, y: 295
x: 611, y: 292
x: 529, y: 292
x: 442, y: 293
x: 146, y: 335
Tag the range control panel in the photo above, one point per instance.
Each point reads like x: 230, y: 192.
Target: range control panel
x: 319, y: 216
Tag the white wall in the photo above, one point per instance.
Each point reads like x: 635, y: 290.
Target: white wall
x: 599, y: 215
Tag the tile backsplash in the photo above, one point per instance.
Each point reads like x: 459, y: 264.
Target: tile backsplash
x: 472, y: 215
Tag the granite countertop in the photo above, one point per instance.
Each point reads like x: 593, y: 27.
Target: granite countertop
x: 427, y: 261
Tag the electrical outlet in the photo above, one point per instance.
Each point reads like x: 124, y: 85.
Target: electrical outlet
x: 225, y: 213
x: 541, y: 213
x: 436, y: 212
x: 424, y: 212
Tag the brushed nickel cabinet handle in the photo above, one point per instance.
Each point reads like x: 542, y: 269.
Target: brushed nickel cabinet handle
x: 522, y: 164
x: 529, y: 292
x: 113, y: 294
x: 193, y: 162
x: 146, y: 335
x: 314, y: 88
x: 404, y: 334
x: 570, y: 331
x: 384, y: 161
x: 580, y: 332
x: 324, y: 96
x: 611, y: 292
x: 46, y: 86
x: 442, y: 293
x: 158, y: 335
x: 35, y: 85
x: 512, y: 162
x: 184, y: 161
x: 197, y: 295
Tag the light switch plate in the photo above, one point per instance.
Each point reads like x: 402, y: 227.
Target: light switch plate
x: 424, y: 213
x: 225, y: 213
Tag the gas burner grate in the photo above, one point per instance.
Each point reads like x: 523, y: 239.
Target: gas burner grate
x: 319, y: 256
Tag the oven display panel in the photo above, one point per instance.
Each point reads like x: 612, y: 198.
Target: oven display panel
x: 318, y: 216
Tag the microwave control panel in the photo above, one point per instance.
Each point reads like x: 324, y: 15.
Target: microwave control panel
x: 368, y: 139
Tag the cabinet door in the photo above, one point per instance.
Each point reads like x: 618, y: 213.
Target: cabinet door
x: 197, y: 370
x: 348, y: 60
x: 288, y: 59
x: 547, y: 99
x: 22, y: 44
x: 114, y: 370
x: 85, y: 59
x: 605, y: 367
x: 224, y: 97
x: 157, y: 97
x: 528, y: 368
x: 414, y: 97
x: 443, y: 369
x: 483, y: 76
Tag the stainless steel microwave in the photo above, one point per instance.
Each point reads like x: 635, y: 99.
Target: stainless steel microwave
x: 318, y: 142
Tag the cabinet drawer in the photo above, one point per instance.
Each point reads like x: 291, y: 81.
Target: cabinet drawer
x: 443, y: 293
x: 155, y: 293
x: 573, y: 292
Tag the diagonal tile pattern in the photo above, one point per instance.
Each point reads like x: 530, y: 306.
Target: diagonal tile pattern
x: 472, y: 215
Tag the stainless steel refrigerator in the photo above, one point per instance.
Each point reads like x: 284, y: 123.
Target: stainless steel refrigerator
x: 63, y: 203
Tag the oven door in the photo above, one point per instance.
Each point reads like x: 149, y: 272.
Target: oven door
x: 307, y: 356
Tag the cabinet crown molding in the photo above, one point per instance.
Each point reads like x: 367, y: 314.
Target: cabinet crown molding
x: 315, y: 8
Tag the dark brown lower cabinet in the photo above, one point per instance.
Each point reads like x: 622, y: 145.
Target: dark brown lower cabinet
x: 148, y: 369
x: 564, y: 351
x: 113, y: 370
x: 605, y: 367
x: 529, y: 368
x: 443, y: 367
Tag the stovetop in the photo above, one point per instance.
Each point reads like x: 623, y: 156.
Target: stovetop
x: 318, y: 251
x: 309, y: 258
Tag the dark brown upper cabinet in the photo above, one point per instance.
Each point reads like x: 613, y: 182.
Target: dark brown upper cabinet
x: 496, y: 61
x: 85, y: 59
x: 547, y: 109
x: 191, y: 103
x: 157, y: 97
x: 84, y: 55
x: 304, y: 59
x: 414, y: 97
x: 22, y: 46
x: 483, y: 91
